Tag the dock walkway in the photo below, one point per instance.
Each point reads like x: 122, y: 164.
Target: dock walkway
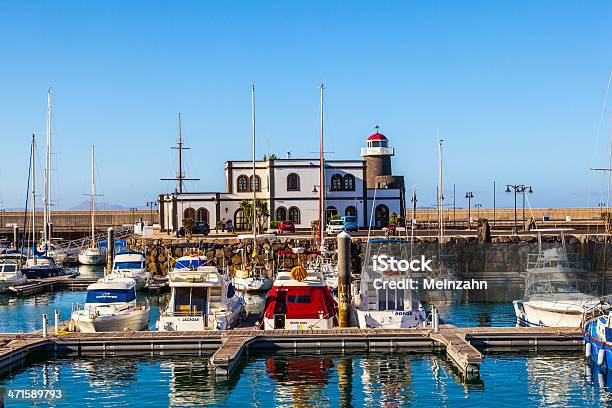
x: 464, y: 346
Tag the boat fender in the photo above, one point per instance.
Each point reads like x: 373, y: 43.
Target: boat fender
x: 601, y: 357
x: 588, y: 350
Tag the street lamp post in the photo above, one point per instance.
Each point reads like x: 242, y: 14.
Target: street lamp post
x: 150, y: 204
x: 518, y: 188
x: 478, y: 206
x: 469, y: 197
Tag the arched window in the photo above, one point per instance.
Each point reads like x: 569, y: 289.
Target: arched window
x: 331, y: 211
x: 202, y: 215
x: 381, y: 216
x: 189, y: 213
x: 349, y: 182
x: 281, y: 214
x: 240, y: 221
x: 257, y: 183
x: 294, y: 215
x: 293, y: 182
x: 243, y: 183
x: 350, y: 211
x: 336, y: 182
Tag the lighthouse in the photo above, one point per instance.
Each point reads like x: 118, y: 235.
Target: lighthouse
x: 377, y: 154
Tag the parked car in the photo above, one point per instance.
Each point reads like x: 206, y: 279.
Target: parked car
x: 200, y: 227
x: 334, y: 227
x: 350, y: 223
x: 286, y: 226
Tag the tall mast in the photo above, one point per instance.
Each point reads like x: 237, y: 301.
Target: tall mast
x: 47, y: 208
x: 93, y: 195
x: 440, y: 194
x: 321, y: 175
x: 33, y: 199
x: 253, y: 186
x: 180, y: 175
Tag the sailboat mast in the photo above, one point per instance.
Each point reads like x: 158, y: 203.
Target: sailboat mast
x: 180, y: 155
x: 440, y: 194
x: 253, y: 185
x: 93, y: 195
x: 47, y: 207
x: 33, y: 198
x: 321, y: 175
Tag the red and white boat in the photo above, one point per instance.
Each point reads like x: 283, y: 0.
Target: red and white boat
x: 300, y: 300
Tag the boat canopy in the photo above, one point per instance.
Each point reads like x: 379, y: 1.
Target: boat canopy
x: 300, y: 302
x: 190, y: 262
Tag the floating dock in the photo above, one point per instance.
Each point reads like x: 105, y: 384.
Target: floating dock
x: 66, y: 282
x: 463, y: 346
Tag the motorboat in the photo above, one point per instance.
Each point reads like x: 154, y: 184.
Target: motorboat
x: 131, y: 264
x: 41, y: 267
x: 597, y: 334
x: 383, y: 300
x: 300, y: 300
x: 201, y: 299
x: 92, y: 256
x: 111, y: 306
x: 557, y: 289
x: 10, y: 275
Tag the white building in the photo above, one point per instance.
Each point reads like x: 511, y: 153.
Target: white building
x: 290, y: 187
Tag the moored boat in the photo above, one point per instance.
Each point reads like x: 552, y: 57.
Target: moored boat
x: 10, y: 275
x: 131, y: 264
x: 41, y: 267
x: 300, y: 300
x: 201, y: 299
x: 111, y: 306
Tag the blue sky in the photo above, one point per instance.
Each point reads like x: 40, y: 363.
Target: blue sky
x: 515, y: 89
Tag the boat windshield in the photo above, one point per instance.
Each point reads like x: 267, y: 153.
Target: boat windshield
x: 190, y: 300
x: 110, y: 295
x: 557, y: 283
x: 128, y: 265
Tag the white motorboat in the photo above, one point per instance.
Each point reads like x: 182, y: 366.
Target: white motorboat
x: 201, y: 299
x: 111, y: 306
x: 189, y: 262
x: 557, y: 290
x: 93, y: 255
x: 10, y: 275
x: 245, y: 282
x: 383, y: 300
x: 131, y: 264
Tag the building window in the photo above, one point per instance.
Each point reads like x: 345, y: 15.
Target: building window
x: 281, y: 214
x: 293, y: 182
x: 189, y: 213
x: 243, y: 183
x: 336, y: 182
x: 294, y: 215
x: 202, y: 215
x: 240, y: 221
x: 331, y: 211
x: 257, y: 183
x: 381, y: 216
x: 349, y: 182
x: 350, y: 211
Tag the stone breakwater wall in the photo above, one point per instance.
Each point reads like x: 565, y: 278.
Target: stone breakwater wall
x: 504, y: 254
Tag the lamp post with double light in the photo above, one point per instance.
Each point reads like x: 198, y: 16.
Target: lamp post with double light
x: 469, y: 195
x: 522, y: 189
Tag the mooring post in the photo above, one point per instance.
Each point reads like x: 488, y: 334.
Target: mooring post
x: 15, y: 237
x: 57, y: 321
x: 45, y: 321
x: 436, y: 320
x: 110, y: 249
x: 344, y: 279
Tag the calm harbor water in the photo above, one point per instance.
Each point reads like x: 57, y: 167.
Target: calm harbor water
x: 391, y: 380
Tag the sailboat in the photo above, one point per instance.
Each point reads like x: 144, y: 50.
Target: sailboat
x: 92, y: 255
x: 48, y: 245
x: 250, y: 278
x: 38, y: 266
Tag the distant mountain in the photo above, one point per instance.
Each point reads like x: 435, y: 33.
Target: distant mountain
x: 86, y: 205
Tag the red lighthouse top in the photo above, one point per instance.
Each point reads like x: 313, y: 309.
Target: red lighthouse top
x: 377, y: 136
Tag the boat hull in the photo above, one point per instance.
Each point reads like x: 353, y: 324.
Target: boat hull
x: 390, y: 319
x: 44, y: 272
x: 5, y: 284
x: 134, y: 320
x: 140, y: 277
x: 89, y: 259
x: 301, y: 324
x: 530, y: 314
x: 252, y: 285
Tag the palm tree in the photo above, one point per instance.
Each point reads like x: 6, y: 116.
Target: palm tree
x: 263, y: 213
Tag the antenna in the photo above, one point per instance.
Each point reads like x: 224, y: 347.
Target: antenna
x: 180, y: 175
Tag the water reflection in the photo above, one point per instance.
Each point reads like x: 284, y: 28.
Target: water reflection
x: 387, y: 379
